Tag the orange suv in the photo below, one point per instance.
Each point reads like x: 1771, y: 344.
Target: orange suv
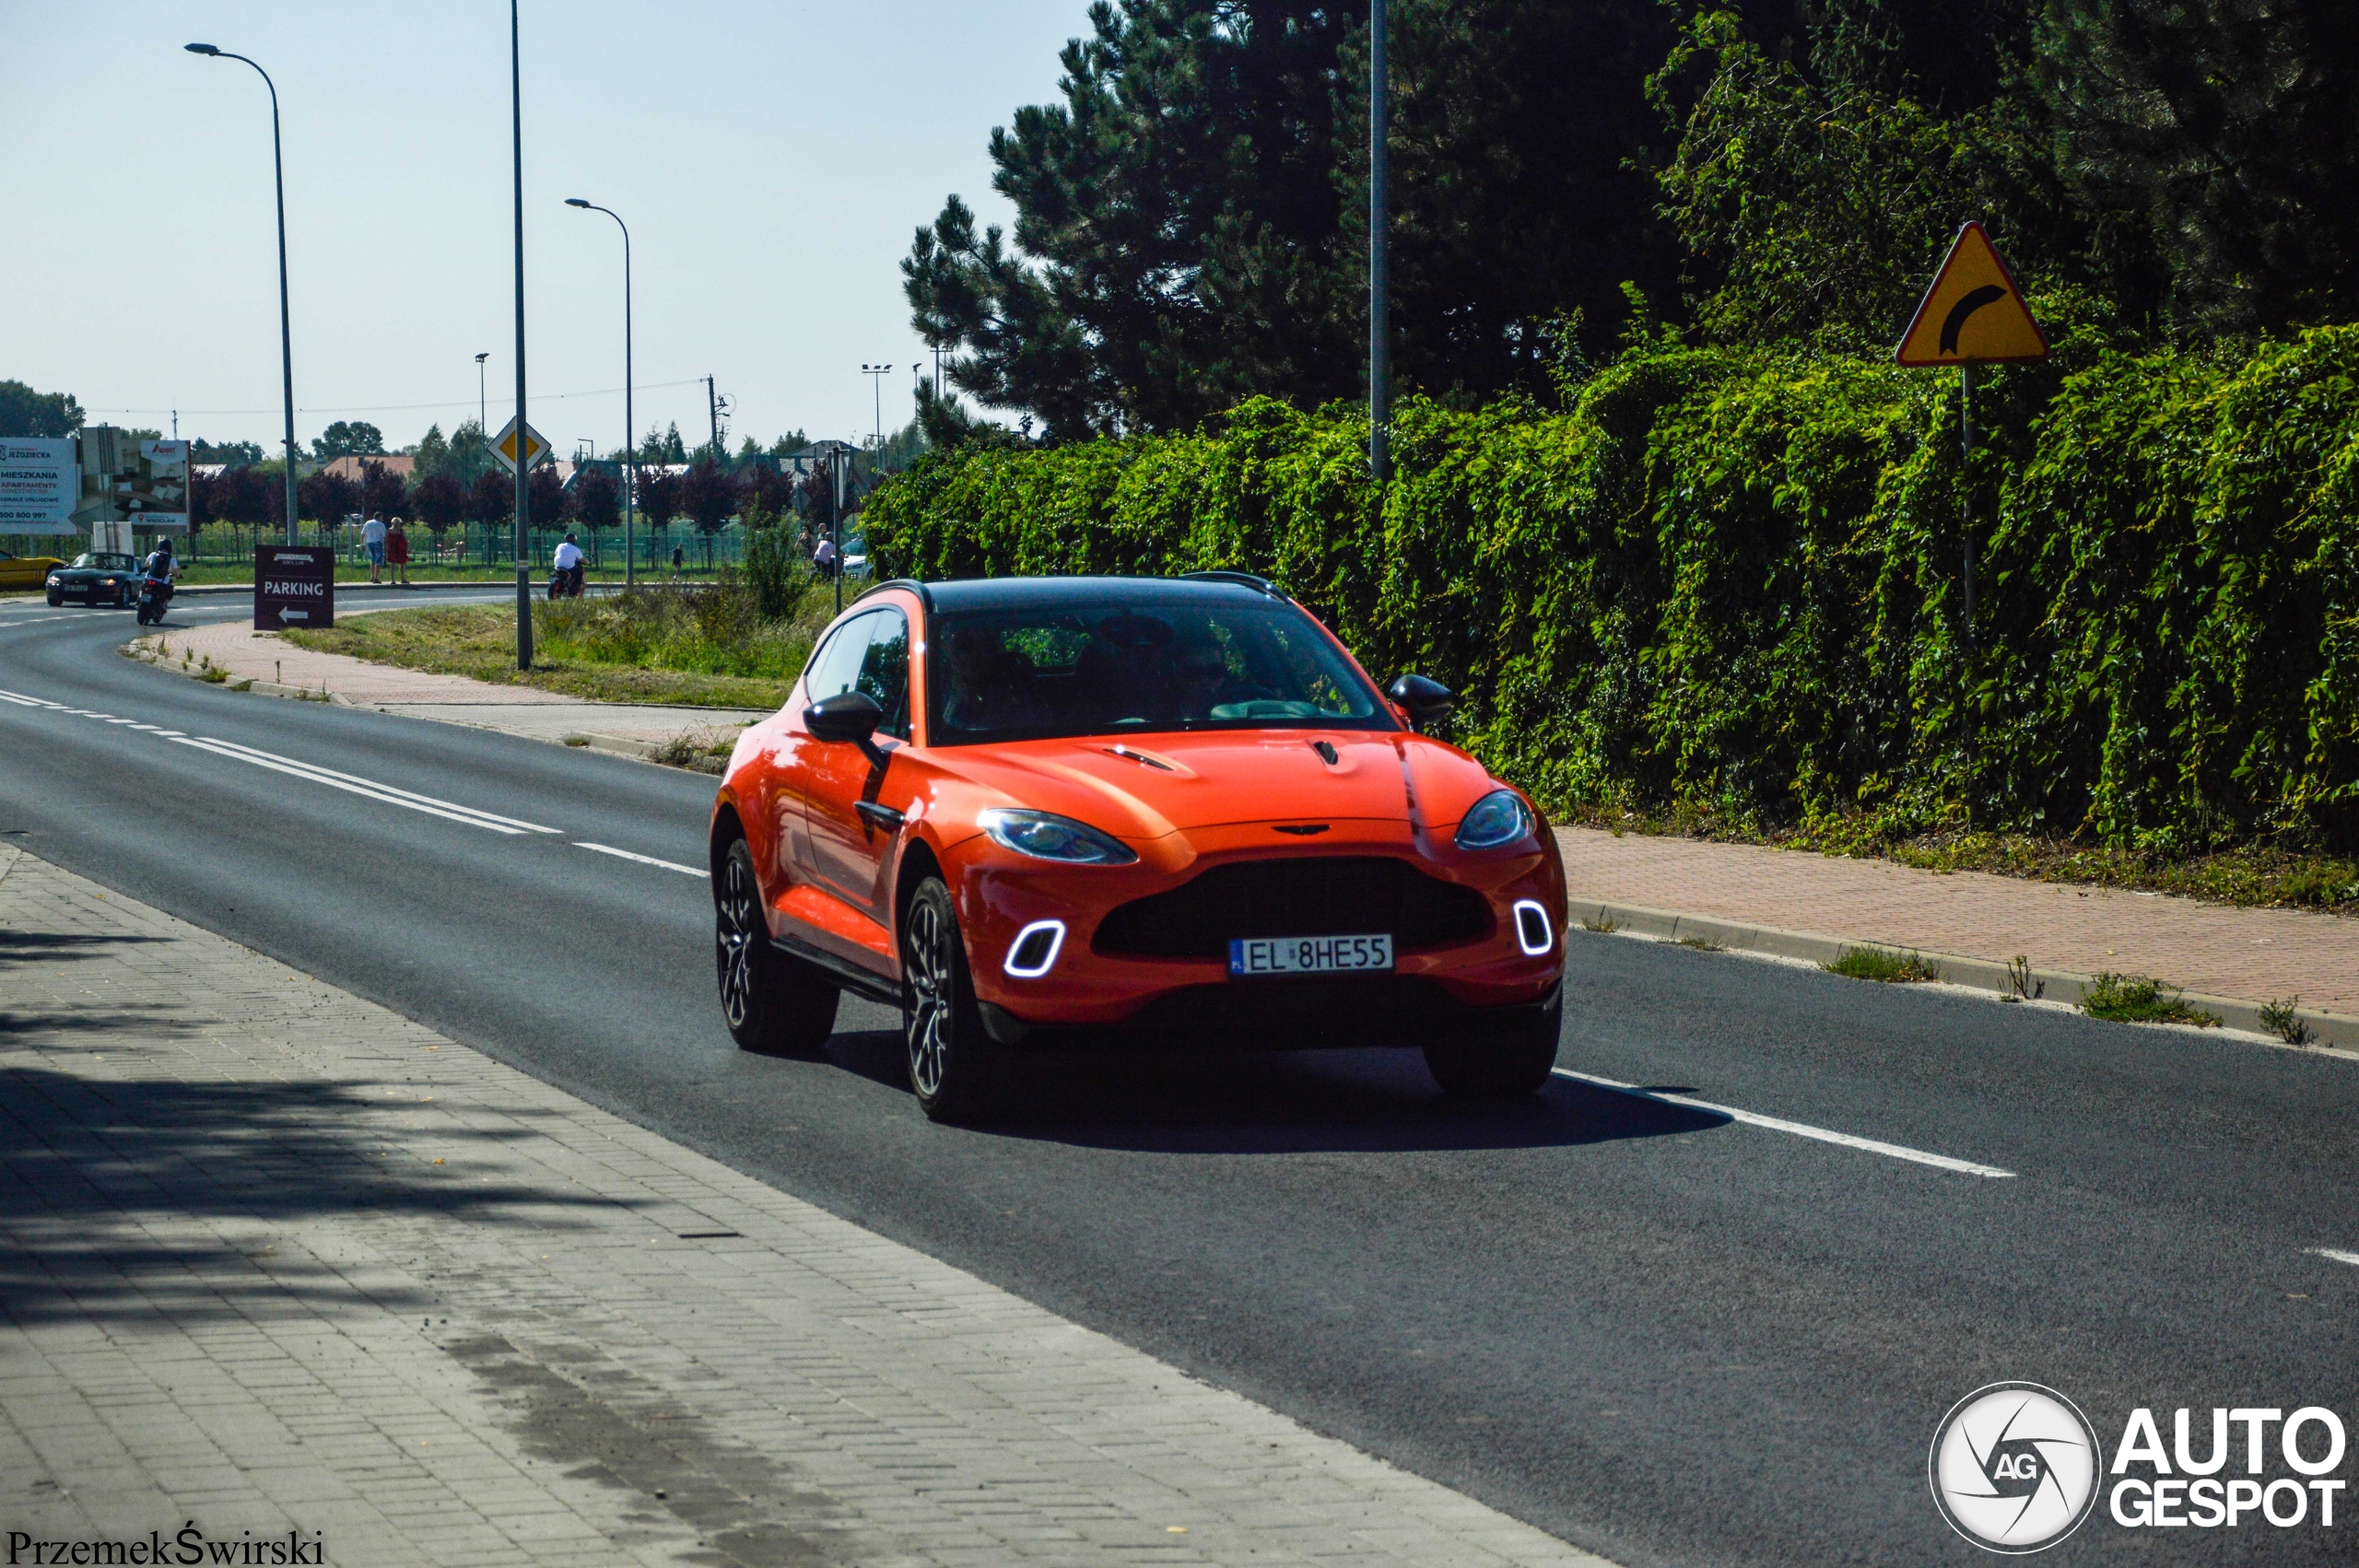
x: 1100, y: 813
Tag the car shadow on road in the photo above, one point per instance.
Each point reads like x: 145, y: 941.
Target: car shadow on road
x: 1277, y: 1102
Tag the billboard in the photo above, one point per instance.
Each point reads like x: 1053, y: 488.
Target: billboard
x: 41, y: 484
x: 142, y: 483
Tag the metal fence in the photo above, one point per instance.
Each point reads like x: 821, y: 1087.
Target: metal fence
x: 469, y: 545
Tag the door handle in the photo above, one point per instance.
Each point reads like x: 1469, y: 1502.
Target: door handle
x: 875, y: 815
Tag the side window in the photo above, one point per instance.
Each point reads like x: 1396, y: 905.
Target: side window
x: 835, y: 667
x: 885, y: 670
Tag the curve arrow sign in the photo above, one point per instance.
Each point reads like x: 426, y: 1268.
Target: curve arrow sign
x: 1973, y: 313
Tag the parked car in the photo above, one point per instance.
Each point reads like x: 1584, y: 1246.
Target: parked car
x: 26, y: 571
x: 1114, y: 811
x: 856, y: 556
x: 97, y: 577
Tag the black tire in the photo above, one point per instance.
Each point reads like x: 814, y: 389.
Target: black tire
x: 1508, y: 1065
x: 773, y: 1002
x: 954, y: 1069
x: 54, y: 600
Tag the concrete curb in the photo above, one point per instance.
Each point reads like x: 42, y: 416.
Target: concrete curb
x: 2337, y: 1031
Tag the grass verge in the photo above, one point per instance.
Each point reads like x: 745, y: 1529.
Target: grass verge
x: 1875, y: 963
x: 705, y: 649
x: 2141, y: 998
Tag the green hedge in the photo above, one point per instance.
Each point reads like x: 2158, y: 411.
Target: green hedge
x: 1729, y: 580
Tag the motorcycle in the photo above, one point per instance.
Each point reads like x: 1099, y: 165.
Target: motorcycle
x: 155, y: 596
x: 566, y: 583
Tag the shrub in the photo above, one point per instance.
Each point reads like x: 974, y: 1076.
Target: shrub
x: 1725, y: 581
x: 1875, y: 963
x: 2141, y: 998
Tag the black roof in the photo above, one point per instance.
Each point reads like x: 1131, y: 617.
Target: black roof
x: 1033, y: 592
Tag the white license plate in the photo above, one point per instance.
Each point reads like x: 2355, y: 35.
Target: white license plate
x: 1251, y: 957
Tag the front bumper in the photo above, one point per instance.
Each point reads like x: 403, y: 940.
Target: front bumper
x: 1469, y: 984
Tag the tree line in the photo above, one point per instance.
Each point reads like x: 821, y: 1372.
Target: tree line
x: 704, y: 493
x: 1191, y: 216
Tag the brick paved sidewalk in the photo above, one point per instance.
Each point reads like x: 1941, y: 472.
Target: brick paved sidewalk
x: 274, y: 1258
x: 250, y: 655
x: 2255, y: 955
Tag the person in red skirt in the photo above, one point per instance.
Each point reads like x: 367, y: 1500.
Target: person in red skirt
x: 397, y: 553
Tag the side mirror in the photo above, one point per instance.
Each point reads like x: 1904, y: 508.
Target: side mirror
x: 1425, y: 701
x: 849, y: 717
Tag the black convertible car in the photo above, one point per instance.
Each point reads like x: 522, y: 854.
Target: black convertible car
x: 97, y: 577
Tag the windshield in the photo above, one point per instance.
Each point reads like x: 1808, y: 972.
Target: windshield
x: 1102, y: 662
x: 104, y: 561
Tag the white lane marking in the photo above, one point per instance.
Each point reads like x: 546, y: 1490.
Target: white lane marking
x: 643, y: 860
x: 132, y: 721
x: 21, y: 701
x: 390, y: 799
x: 326, y: 775
x: 1800, y: 1129
x: 2338, y: 1255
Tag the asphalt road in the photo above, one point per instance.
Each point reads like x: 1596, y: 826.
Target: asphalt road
x: 1666, y: 1335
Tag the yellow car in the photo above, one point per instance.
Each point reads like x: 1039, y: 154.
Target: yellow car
x: 26, y: 571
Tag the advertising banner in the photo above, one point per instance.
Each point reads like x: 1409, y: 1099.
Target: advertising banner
x: 40, y: 483
x: 293, y: 587
x: 142, y: 483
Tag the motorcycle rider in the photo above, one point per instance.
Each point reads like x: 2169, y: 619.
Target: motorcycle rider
x: 567, y: 581
x: 159, y: 570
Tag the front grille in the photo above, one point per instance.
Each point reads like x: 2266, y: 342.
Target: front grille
x: 1309, y: 895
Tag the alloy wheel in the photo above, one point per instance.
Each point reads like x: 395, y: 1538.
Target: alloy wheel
x: 930, y: 981
x: 737, y: 926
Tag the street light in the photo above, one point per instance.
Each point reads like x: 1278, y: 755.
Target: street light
x: 523, y: 451
x: 1380, y: 353
x: 483, y: 400
x: 631, y: 492
x: 875, y: 374
x: 285, y: 330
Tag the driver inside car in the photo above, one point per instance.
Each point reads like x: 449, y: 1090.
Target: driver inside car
x: 990, y: 687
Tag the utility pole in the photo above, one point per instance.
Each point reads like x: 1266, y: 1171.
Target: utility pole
x: 523, y: 469
x: 712, y: 407
x: 1380, y: 358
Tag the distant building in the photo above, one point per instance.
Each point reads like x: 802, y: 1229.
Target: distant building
x: 400, y: 464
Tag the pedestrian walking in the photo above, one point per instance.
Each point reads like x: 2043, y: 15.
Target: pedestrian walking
x: 677, y: 556
x: 397, y: 552
x: 372, y: 539
x: 824, y: 558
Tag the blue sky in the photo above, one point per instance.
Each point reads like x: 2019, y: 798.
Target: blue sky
x: 771, y: 160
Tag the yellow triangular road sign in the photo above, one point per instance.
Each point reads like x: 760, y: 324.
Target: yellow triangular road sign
x: 503, y: 446
x: 1974, y: 313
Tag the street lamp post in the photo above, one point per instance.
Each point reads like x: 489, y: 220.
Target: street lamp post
x: 523, y: 468
x: 631, y: 492
x: 875, y: 374
x: 286, y: 329
x: 1379, y: 357
x: 483, y: 412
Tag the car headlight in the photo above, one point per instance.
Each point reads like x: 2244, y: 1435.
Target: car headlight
x: 1046, y: 837
x: 1498, y: 818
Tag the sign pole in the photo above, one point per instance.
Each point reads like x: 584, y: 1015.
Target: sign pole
x: 1965, y: 504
